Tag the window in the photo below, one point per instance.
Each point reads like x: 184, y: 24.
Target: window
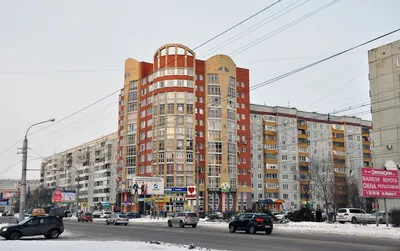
x: 398, y: 61
x: 284, y: 157
x: 285, y: 176
x: 285, y: 186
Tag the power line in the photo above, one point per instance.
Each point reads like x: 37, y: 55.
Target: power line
x: 236, y: 25
x: 113, y: 93
x: 250, y: 30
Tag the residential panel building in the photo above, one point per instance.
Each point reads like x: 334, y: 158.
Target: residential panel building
x: 287, y: 144
x: 175, y: 110
x: 89, y: 169
x: 384, y: 77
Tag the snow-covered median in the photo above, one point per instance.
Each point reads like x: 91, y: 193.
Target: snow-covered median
x: 348, y: 229
x: 90, y: 246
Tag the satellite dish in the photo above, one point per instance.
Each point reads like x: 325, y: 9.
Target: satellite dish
x: 390, y: 165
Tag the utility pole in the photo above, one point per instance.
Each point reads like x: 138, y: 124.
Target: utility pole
x: 197, y: 169
x: 22, y: 203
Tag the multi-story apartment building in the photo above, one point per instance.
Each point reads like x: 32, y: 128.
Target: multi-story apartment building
x: 384, y: 77
x: 175, y: 110
x: 288, y: 144
x: 90, y: 169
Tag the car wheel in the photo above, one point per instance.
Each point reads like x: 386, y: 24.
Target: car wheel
x: 91, y: 221
x: 107, y: 223
x: 15, y: 235
x: 194, y: 225
x: 268, y: 231
x: 232, y: 229
x: 181, y: 224
x: 354, y: 220
x: 169, y: 223
x: 252, y: 230
x: 54, y: 234
x: 380, y: 221
x: 342, y: 222
x: 115, y: 223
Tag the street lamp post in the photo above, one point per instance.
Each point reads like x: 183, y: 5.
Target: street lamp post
x: 22, y: 203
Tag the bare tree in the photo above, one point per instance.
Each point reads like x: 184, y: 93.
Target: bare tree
x: 353, y: 193
x: 305, y: 178
x: 323, y: 183
x: 38, y: 198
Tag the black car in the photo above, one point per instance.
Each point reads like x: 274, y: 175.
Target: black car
x: 251, y: 223
x: 49, y: 226
x: 133, y: 215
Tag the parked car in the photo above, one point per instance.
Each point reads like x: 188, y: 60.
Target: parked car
x: 97, y: 214
x: 49, y: 226
x: 118, y: 219
x: 133, y: 215
x: 381, y: 217
x: 251, y: 223
x: 85, y: 217
x: 107, y: 215
x: 183, y: 218
x: 353, y: 215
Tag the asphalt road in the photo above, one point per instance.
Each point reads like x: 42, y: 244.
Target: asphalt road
x: 221, y: 239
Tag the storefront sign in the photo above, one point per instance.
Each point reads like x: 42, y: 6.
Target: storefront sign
x: 225, y: 186
x: 176, y: 189
x: 148, y: 185
x: 191, y: 190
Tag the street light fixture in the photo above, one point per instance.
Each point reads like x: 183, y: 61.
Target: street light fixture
x: 22, y: 203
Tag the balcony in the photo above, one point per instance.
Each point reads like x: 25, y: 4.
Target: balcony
x: 367, y: 151
x: 270, y: 161
x: 339, y: 140
x: 338, y: 148
x: 271, y: 190
x: 269, y: 151
x: 337, y: 131
x: 303, y: 136
x: 368, y: 143
x: 303, y: 154
x: 365, y: 135
x: 303, y: 145
x: 270, y: 123
x: 270, y: 141
x: 335, y: 156
x: 270, y: 133
x: 302, y: 125
x: 273, y: 171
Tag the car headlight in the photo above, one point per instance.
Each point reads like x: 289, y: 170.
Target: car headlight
x: 4, y: 229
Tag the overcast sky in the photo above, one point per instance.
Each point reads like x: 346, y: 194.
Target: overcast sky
x: 57, y: 57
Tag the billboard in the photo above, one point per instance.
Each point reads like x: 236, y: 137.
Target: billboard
x: 60, y: 196
x: 148, y: 186
x: 380, y: 183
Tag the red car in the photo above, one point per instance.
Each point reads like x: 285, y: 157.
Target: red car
x: 85, y: 217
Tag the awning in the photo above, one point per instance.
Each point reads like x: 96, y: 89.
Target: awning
x: 279, y: 201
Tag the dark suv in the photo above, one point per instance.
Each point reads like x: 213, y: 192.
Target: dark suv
x: 49, y: 226
x: 251, y: 223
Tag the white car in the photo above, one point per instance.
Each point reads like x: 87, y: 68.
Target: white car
x: 353, y: 215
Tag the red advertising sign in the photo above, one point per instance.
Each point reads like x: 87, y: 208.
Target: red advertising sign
x: 380, y: 183
x: 57, y: 196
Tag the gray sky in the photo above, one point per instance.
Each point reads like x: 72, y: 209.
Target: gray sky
x: 59, y: 56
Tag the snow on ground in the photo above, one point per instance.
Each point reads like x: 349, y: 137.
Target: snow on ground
x: 370, y: 230
x: 89, y: 246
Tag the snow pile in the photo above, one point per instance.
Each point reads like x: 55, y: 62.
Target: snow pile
x: 148, y: 220
x: 370, y: 230
x: 91, y: 246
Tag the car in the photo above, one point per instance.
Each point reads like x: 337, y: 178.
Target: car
x: 183, y: 219
x: 252, y: 223
x: 118, y: 219
x: 381, y: 217
x: 353, y: 215
x: 133, y: 215
x: 97, y: 214
x: 49, y: 226
x: 85, y: 217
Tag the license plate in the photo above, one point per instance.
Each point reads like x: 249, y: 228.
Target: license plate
x: 267, y: 226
